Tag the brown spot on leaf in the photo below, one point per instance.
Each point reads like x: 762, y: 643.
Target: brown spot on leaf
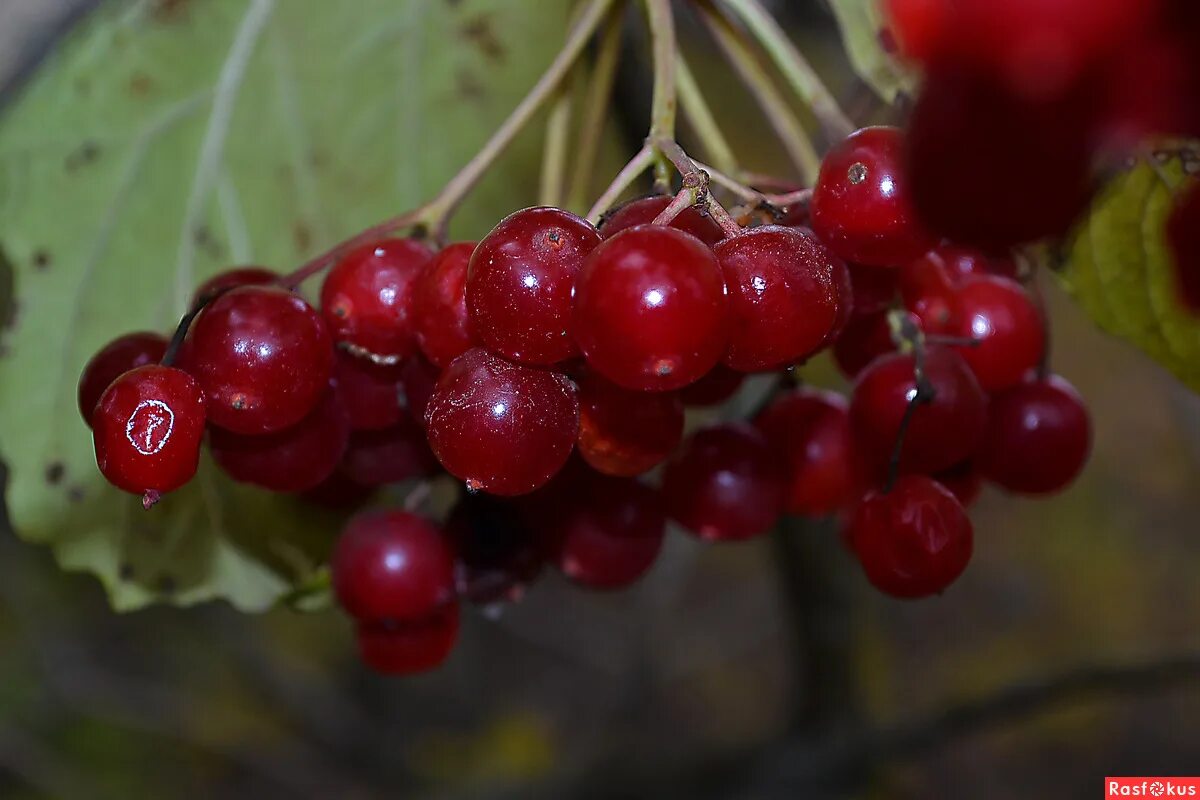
x: 55, y: 472
x: 8, y: 303
x: 140, y: 84
x: 481, y: 32
x: 207, y: 242
x: 319, y: 159
x: 167, y: 584
x: 83, y: 155
x: 41, y: 260
x: 125, y: 571
x: 76, y: 494
x: 302, y: 236
x: 168, y: 10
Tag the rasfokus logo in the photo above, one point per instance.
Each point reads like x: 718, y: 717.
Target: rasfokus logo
x: 1151, y: 787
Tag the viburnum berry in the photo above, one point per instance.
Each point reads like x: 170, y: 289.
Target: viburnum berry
x: 295, y: 459
x: 409, y: 647
x: 1038, y: 437
x: 810, y: 431
x: 783, y: 296
x: 941, y: 432
x: 964, y: 481
x: 338, y: 493
x: 147, y: 429
x: 644, y: 210
x: 392, y: 455
x: 912, y: 541
x: 501, y: 427
x: 367, y: 296
x: 419, y: 379
x: 718, y: 385
x: 521, y: 280
x: 861, y: 206
x: 865, y: 339
x: 650, y: 309
x: 372, y: 394
x: 115, y: 359
x: 626, y: 433
x: 1006, y: 327
x: 873, y: 289
x: 931, y: 295
x: 959, y: 262
x: 231, y: 279
x: 262, y: 356
x: 392, y: 565
x: 725, y: 483
x: 601, y: 532
x: 439, y: 305
x: 497, y: 555
x: 1183, y: 240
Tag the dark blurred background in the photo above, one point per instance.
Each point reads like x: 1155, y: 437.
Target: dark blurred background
x: 1070, y: 650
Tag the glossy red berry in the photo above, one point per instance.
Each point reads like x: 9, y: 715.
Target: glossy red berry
x: 810, y: 431
x: 913, y: 541
x: 409, y: 647
x: 521, y: 280
x: 861, y: 206
x: 626, y: 433
x: 725, y: 483
x: 501, y: 427
x: 783, y: 296
x: 1183, y: 239
x: 372, y: 394
x: 262, y: 356
x: 1002, y: 319
x: 439, y: 305
x: 1038, y: 437
x: 942, y: 432
x: 601, y: 532
x: 231, y: 279
x: 864, y: 339
x: 717, y: 386
x: 644, y: 210
x: 650, y: 309
x: 391, y: 455
x: 497, y: 555
x: 930, y: 293
x: 392, y: 565
x: 874, y: 289
x: 961, y: 262
x: 115, y: 359
x: 295, y: 459
x: 147, y: 429
x: 367, y: 297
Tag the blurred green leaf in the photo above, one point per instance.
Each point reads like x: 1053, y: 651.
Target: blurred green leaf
x: 164, y: 141
x: 1118, y: 267
x: 861, y: 22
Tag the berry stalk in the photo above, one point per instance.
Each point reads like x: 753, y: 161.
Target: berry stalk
x: 698, y: 113
x: 663, y: 111
x: 595, y: 105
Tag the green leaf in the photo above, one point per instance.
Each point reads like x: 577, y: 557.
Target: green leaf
x: 861, y: 22
x: 163, y: 142
x: 1118, y: 267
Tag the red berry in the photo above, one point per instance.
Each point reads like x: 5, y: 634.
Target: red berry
x: 392, y: 455
x: 964, y: 481
x: 913, y: 541
x: 115, y: 359
x: 961, y: 262
x: 977, y: 177
x: 942, y: 432
x: 918, y: 26
x: 873, y: 288
x: 339, y: 493
x: 717, y: 386
x: 521, y: 280
x: 501, y: 427
x: 497, y: 554
x: 262, y: 356
x: 392, y: 565
x: 419, y: 380
x: 623, y: 432
x: 865, y: 339
x: 998, y: 314
x: 650, y: 309
x: 439, y: 305
x: 725, y: 483
x: 372, y: 394
x: 231, y: 279
x: 1183, y: 239
x: 644, y: 210
x: 295, y: 459
x: 147, y: 429
x: 411, y: 646
x: 861, y: 206
x: 783, y: 296
x: 1038, y: 437
x: 810, y: 431
x: 931, y: 295
x: 601, y: 532
x: 367, y: 297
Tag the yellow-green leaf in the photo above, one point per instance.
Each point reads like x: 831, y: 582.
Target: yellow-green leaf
x: 861, y: 22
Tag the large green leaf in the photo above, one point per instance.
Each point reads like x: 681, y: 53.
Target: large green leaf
x: 1118, y: 266
x: 164, y: 141
x: 861, y: 23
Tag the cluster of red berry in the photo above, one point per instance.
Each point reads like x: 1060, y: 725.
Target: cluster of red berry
x: 499, y: 360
